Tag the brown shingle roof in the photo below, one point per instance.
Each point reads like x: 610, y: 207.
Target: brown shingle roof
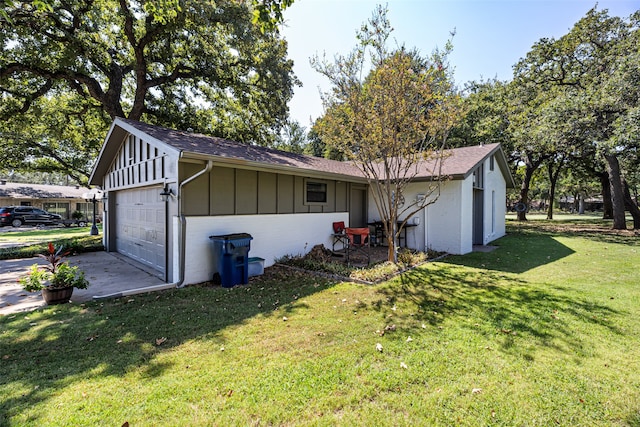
x: 457, y: 163
x: 194, y: 143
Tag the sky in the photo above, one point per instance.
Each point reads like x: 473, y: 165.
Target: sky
x: 491, y: 35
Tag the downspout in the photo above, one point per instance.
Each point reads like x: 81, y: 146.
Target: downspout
x: 182, y: 223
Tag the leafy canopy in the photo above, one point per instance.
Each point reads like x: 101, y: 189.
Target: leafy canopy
x: 210, y: 66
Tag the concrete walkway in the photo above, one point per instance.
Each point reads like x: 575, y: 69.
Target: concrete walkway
x: 108, y: 274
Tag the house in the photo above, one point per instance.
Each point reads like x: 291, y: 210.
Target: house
x: 469, y: 206
x: 167, y: 191
x: 59, y: 199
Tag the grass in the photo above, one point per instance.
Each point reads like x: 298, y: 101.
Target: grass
x: 543, y: 331
x: 32, y: 242
x: 44, y: 234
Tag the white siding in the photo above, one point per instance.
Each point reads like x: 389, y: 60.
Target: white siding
x: 447, y: 224
x: 273, y: 236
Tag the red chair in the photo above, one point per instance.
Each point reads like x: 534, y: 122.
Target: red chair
x: 359, y: 241
x: 339, y: 238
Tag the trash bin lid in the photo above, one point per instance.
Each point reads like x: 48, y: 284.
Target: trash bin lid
x: 233, y: 236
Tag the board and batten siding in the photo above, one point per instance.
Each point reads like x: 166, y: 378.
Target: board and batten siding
x: 235, y: 191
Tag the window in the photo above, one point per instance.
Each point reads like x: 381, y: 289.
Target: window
x: 478, y: 177
x: 86, y: 209
x: 60, y: 208
x: 315, y: 193
x: 491, y: 163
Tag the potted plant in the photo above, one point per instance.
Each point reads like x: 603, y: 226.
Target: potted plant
x: 56, y: 280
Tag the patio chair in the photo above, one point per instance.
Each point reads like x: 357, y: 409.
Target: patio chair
x: 339, y: 237
x: 359, y: 241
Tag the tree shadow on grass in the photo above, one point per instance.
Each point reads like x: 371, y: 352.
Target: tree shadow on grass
x: 516, y: 253
x: 524, y: 316
x: 46, y: 350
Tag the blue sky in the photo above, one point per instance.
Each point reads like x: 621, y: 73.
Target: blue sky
x: 491, y: 35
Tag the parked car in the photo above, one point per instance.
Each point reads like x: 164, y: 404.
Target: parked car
x: 19, y: 215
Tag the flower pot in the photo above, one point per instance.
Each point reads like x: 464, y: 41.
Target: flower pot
x: 57, y: 296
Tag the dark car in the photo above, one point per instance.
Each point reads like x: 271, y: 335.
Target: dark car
x: 19, y: 215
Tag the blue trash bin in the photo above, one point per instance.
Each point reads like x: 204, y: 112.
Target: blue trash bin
x: 231, y: 258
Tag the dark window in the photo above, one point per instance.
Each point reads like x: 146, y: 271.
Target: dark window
x: 491, y: 161
x: 316, y: 192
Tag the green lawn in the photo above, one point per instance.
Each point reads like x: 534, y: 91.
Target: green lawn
x: 16, y: 235
x: 543, y: 331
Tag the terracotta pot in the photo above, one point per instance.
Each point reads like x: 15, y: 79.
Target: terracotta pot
x: 57, y: 296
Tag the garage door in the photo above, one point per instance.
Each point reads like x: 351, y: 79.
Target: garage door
x: 140, y: 226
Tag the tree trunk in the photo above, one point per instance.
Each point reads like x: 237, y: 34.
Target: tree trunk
x: 524, y: 190
x: 631, y: 205
x: 392, y: 244
x: 617, y: 193
x: 581, y: 205
x: 553, y: 180
x: 607, y: 204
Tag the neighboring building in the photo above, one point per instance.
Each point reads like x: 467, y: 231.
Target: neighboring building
x: 59, y: 199
x: 168, y: 191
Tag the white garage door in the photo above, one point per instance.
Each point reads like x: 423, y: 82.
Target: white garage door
x: 140, y: 226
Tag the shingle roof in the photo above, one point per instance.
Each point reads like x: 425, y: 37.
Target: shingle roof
x: 17, y: 190
x: 456, y: 163
x: 222, y: 148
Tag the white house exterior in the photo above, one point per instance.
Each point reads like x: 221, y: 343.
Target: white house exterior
x: 469, y: 208
x: 167, y: 191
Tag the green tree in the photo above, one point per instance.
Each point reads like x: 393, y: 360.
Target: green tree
x: 399, y: 114
x: 292, y: 137
x: 596, y: 65
x: 212, y: 67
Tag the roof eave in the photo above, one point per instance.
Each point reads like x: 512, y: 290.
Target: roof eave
x: 268, y: 167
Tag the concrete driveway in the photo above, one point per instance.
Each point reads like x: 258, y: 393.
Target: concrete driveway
x: 109, y: 274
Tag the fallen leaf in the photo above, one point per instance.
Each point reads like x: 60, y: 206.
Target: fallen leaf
x: 126, y: 424
x: 476, y: 391
x: 119, y: 342
x: 424, y: 326
x: 284, y: 318
x: 390, y: 328
x: 222, y: 348
x: 403, y: 365
x: 379, y: 347
x: 409, y: 339
x: 229, y: 393
x: 160, y: 341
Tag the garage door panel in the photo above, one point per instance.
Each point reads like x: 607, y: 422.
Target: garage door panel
x: 141, y: 226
